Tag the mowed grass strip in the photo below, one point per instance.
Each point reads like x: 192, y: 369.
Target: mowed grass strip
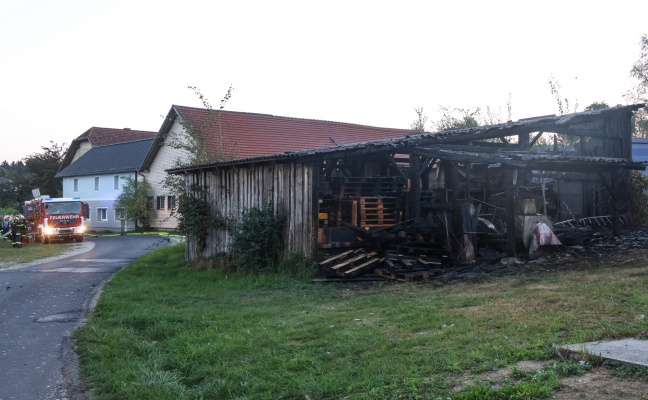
x: 10, y: 256
x: 162, y: 330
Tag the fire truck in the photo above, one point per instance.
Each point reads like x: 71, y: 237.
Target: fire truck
x: 56, y: 218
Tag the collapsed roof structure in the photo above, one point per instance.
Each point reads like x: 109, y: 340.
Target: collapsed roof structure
x: 434, y: 193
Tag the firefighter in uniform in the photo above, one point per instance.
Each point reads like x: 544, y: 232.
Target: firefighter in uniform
x: 18, y: 230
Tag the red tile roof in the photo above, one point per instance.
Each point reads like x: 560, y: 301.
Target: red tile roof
x: 106, y: 136
x: 247, y: 135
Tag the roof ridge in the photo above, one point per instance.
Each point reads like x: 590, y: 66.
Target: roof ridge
x: 120, y: 143
x: 293, y: 118
x: 119, y: 129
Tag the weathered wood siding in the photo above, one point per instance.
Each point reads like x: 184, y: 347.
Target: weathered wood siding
x: 234, y: 189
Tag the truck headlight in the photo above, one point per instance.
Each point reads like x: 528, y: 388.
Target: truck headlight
x: 81, y: 229
x: 48, y: 231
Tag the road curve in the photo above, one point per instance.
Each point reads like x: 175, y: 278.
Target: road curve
x: 42, y: 304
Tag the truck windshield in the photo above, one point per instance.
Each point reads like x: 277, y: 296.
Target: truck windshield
x: 63, y: 207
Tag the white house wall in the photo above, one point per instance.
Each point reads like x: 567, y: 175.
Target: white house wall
x: 103, y: 198
x: 83, y: 148
x: 166, y: 158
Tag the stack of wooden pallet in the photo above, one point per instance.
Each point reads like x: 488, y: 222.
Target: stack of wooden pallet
x: 351, y: 263
x: 405, y: 268
x: 394, y: 265
x: 377, y: 212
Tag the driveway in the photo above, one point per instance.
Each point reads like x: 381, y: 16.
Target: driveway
x: 42, y: 304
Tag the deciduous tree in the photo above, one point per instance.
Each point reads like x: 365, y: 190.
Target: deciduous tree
x: 194, y: 212
x: 15, y: 185
x: 43, y: 167
x: 420, y: 122
x: 453, y: 118
x: 135, y: 201
x: 639, y: 94
x: 597, y: 105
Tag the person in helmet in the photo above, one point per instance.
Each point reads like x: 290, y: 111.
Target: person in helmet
x: 18, y: 230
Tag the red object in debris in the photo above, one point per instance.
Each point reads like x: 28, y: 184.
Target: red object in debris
x: 542, y: 235
x: 25, y: 239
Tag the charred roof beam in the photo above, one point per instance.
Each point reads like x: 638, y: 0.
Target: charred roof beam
x: 466, y: 157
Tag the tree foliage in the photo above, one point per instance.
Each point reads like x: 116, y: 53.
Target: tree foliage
x: 420, y: 122
x: 193, y: 138
x: 454, y: 118
x: 563, y: 103
x: 135, y: 201
x: 194, y: 214
x: 44, y: 166
x: 639, y: 93
x: 637, y: 198
x: 639, y: 70
x: 597, y: 105
x: 15, y: 185
x: 457, y: 118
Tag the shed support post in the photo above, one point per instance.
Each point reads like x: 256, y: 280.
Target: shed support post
x: 511, y: 194
x: 523, y: 139
x: 616, y: 228
x: 414, y: 194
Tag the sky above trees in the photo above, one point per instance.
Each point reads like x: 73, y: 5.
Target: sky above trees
x: 69, y: 65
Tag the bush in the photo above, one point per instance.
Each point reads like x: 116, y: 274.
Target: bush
x: 637, y: 200
x: 256, y: 239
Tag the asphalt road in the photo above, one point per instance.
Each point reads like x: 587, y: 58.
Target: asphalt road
x: 41, y: 305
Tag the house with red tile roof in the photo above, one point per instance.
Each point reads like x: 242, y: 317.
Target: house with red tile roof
x: 95, y: 167
x: 96, y: 136
x: 232, y: 135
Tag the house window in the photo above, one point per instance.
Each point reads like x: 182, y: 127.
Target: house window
x: 96, y: 183
x: 171, y: 203
x: 76, y: 184
x: 119, y: 214
x: 160, y: 203
x: 102, y: 214
x: 116, y: 182
x: 149, y: 202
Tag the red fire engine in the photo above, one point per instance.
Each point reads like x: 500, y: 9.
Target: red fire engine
x: 56, y: 219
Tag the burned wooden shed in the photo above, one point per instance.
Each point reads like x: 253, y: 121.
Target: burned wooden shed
x: 434, y: 193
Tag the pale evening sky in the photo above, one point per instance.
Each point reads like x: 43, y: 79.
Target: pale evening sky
x: 68, y: 65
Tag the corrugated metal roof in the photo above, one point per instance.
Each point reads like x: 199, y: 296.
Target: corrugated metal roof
x: 121, y: 157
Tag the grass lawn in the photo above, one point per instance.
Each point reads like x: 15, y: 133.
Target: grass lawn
x: 162, y: 330
x: 10, y: 256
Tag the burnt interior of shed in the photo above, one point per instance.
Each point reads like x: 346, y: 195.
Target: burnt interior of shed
x: 451, y: 201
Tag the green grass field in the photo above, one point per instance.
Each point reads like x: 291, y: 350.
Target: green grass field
x: 10, y: 256
x: 163, y: 330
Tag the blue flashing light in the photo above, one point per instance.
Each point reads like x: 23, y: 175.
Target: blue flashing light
x: 76, y: 198
x: 47, y: 198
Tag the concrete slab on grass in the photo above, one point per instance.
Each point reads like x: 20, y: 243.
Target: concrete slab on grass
x: 628, y: 351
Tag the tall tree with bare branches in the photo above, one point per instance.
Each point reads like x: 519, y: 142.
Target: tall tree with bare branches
x: 639, y: 94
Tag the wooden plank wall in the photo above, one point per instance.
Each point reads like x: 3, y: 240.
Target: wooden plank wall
x: 234, y: 189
